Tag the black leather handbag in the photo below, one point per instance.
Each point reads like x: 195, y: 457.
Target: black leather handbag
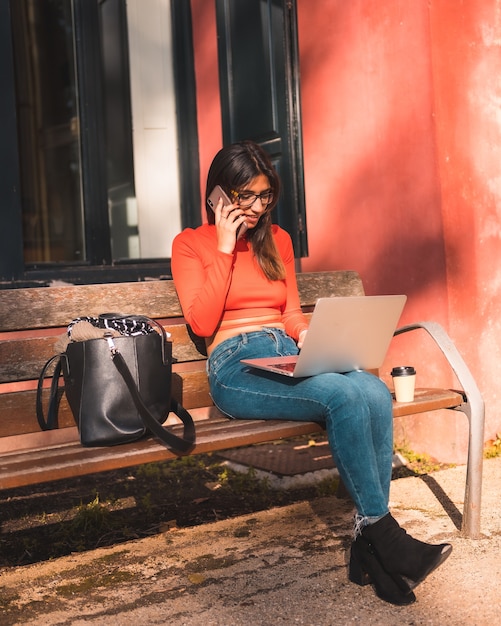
x: 118, y: 387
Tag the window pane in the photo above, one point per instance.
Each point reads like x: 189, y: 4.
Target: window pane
x: 49, y: 133
x: 154, y: 122
x: 120, y: 167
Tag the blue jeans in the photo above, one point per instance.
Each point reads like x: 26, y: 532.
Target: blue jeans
x: 355, y: 408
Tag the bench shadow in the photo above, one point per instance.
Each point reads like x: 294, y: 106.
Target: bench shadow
x: 448, y: 505
x: 455, y: 515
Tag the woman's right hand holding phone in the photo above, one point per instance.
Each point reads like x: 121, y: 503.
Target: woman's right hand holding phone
x: 228, y: 220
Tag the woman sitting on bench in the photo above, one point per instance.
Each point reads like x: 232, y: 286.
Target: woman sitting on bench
x: 236, y: 282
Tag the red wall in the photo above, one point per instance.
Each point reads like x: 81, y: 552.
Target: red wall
x: 399, y: 107
x: 371, y: 176
x: 207, y: 78
x: 466, y: 52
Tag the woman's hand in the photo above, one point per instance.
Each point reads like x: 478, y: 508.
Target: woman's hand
x: 228, y: 220
x: 302, y: 335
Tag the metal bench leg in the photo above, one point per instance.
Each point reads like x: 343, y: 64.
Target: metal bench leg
x: 474, y: 409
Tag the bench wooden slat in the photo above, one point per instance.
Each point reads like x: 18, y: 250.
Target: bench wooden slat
x: 17, y: 413
x: 316, y: 285
x: 428, y: 400
x: 17, y: 409
x: 22, y: 358
x: 68, y: 460
x: 214, y: 432
x: 425, y: 400
x: 51, y: 307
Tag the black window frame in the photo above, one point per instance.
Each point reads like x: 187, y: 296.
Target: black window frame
x: 99, y: 267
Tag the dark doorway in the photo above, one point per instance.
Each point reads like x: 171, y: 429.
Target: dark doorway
x: 259, y: 82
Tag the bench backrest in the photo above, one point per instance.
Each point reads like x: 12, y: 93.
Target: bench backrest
x: 32, y: 320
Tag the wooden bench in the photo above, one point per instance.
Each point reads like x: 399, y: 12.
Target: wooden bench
x: 32, y: 319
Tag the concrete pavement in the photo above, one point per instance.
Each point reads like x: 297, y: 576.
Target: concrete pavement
x: 282, y: 566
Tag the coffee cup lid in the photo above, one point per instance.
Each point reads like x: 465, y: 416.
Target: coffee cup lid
x: 403, y: 370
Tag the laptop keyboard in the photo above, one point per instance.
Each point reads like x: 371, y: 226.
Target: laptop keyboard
x: 286, y: 367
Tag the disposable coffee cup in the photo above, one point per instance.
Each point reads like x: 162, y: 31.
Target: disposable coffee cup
x: 404, y: 382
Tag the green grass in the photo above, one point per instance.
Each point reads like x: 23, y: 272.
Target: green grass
x: 493, y: 447
x: 419, y: 462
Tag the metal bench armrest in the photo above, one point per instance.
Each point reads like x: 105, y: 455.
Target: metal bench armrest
x: 474, y: 409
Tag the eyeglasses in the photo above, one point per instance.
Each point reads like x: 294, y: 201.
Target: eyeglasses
x: 246, y: 198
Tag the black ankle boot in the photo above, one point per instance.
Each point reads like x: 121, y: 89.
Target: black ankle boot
x: 402, y: 555
x: 366, y: 569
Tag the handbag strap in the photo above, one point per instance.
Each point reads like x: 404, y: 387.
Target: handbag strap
x: 51, y: 421
x: 182, y: 444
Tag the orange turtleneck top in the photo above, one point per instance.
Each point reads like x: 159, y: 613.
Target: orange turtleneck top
x: 215, y: 287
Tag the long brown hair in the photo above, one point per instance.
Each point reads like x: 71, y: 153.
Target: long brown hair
x: 234, y: 167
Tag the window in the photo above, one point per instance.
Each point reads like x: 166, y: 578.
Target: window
x: 93, y: 192
x: 49, y: 134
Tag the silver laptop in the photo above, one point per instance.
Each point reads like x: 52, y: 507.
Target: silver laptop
x: 345, y: 334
